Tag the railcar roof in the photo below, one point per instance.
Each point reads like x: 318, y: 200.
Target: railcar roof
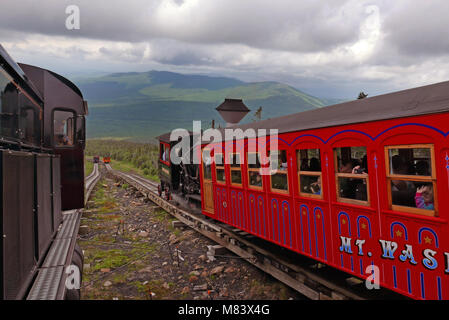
x: 14, y: 69
x: 406, y: 103
x: 166, y: 137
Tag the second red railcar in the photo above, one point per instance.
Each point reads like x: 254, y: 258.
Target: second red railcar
x: 360, y: 186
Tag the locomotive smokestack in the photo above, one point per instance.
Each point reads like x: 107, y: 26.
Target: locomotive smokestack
x: 232, y: 111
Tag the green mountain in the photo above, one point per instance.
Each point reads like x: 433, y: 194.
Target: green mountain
x: 140, y: 106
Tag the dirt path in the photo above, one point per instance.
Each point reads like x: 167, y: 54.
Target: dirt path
x: 132, y: 251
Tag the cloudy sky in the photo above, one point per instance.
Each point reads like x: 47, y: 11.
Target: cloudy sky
x: 327, y: 48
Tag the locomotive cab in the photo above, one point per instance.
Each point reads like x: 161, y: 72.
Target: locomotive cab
x: 64, y: 130
x: 177, y: 179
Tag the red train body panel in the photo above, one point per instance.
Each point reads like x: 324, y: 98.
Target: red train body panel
x: 410, y: 249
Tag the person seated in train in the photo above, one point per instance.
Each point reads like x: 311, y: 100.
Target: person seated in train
x: 66, y: 140
x: 400, y: 167
x: 422, y: 168
x: 256, y: 180
x: 314, y: 165
x: 424, y: 197
x: 315, y: 187
x: 348, y: 185
x: 284, y: 163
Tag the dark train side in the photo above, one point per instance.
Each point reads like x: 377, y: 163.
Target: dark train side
x: 42, y: 139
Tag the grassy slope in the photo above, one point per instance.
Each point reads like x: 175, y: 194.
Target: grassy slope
x: 140, y: 106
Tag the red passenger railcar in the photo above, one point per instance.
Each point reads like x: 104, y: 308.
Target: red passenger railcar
x: 359, y: 184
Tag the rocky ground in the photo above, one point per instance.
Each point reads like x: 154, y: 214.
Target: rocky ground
x: 132, y: 251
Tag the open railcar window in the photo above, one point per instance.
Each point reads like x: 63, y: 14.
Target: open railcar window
x: 279, y: 179
x: 219, y: 168
x: 236, y: 170
x: 309, y: 173
x: 255, y: 180
x: 411, y: 178
x: 207, y: 165
x: 352, y: 180
x: 63, y: 128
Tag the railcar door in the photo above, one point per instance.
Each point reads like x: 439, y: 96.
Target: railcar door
x: 71, y: 150
x: 207, y: 182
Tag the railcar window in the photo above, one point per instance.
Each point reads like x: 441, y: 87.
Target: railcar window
x: 411, y: 178
x: 352, y: 180
x: 63, y: 128
x: 236, y: 171
x: 29, y: 123
x: 279, y: 179
x: 8, y: 106
x: 219, y: 168
x: 207, y: 162
x: 164, y: 152
x: 254, y: 178
x: 309, y: 172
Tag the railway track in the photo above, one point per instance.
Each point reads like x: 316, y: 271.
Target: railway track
x: 91, y: 181
x: 314, y: 280
x: 50, y: 282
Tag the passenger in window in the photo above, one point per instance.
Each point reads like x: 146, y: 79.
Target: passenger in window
x: 314, y: 165
x: 400, y: 167
x: 255, y: 179
x: 349, y: 166
x: 424, y: 197
x: 284, y: 164
x: 365, y: 164
x: 315, y: 187
x: 304, y: 166
x: 422, y: 168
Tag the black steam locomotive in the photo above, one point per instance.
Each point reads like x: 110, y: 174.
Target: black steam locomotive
x: 180, y: 181
x: 42, y: 139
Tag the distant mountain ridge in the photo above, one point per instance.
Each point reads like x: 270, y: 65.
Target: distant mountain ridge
x: 141, y: 105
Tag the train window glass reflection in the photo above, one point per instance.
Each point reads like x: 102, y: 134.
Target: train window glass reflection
x: 236, y: 171
x: 8, y: 106
x: 279, y: 176
x: 29, y: 124
x: 207, y: 165
x: 352, y: 180
x: 163, y: 152
x: 411, y: 179
x: 219, y: 168
x: 64, y: 128
x: 254, y: 177
x: 309, y: 172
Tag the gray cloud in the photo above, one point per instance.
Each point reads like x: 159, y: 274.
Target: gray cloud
x: 288, y: 25
x: 420, y: 29
x: 337, y: 47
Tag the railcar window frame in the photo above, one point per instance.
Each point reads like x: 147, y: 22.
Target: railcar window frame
x: 203, y: 164
x: 278, y: 171
x: 257, y: 170
x: 408, y: 177
x: 166, y: 152
x: 73, y: 130
x: 235, y: 167
x: 220, y: 167
x: 309, y: 173
x: 360, y: 176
